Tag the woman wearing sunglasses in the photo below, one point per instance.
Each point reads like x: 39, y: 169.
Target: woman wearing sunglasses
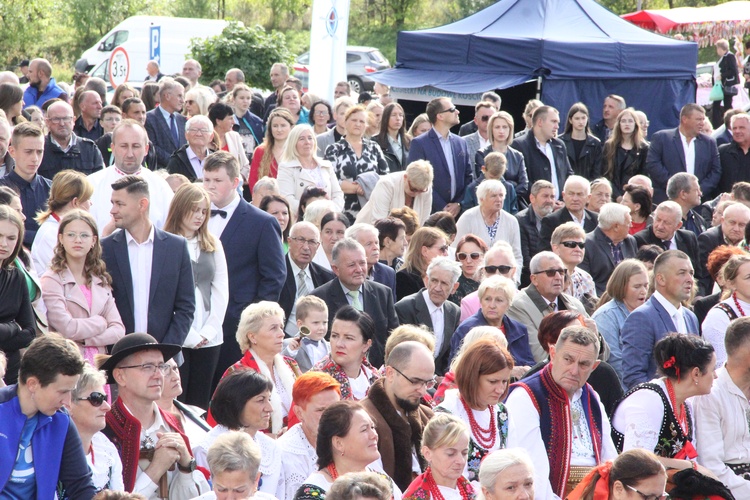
x: 470, y: 252
x: 568, y: 243
x: 87, y: 409
x: 495, y: 296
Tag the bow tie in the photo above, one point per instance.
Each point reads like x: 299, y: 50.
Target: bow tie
x: 312, y: 342
x: 223, y: 213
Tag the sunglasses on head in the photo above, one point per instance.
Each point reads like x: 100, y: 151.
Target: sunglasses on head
x: 472, y: 255
x: 95, y: 398
x: 551, y: 273
x: 496, y: 269
x: 573, y: 244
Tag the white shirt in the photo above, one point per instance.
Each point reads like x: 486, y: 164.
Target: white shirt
x: 437, y: 315
x: 299, y: 458
x: 576, y: 219
x: 195, y: 162
x: 44, y: 245
x: 217, y: 223
x: 689, y: 149
x: 105, y: 464
x: 141, y: 257
x: 723, y: 435
x: 445, y: 143
x: 546, y: 149
x: 715, y: 325
x: 291, y: 324
x: 675, y: 313
x: 71, y: 143
x: 361, y: 384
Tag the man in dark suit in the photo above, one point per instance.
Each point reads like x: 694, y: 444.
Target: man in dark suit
x: 668, y: 155
x: 731, y: 231
x: 152, y: 277
x: 613, y: 104
x: 252, y: 245
x: 368, y: 236
x: 666, y: 233
x: 662, y: 314
x: 154, y: 75
x: 683, y: 189
x: 352, y: 288
x: 576, y: 194
x: 165, y: 125
x: 304, y: 240
x: 609, y: 244
x: 542, y: 203
x: 448, y: 155
x: 735, y: 162
x: 544, y: 154
x: 430, y: 307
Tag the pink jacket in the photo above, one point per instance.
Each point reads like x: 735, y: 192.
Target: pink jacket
x: 68, y: 311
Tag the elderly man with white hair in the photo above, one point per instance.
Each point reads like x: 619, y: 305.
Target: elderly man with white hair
x: 499, y: 260
x: 666, y: 232
x: 609, y: 244
x: 430, y: 307
x: 642, y: 181
x: 490, y: 222
x: 731, y: 232
x: 188, y: 159
x: 369, y: 237
x: 412, y: 188
x: 543, y: 296
x: 576, y: 194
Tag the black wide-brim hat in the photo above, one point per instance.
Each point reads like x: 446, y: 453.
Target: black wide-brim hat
x: 133, y: 343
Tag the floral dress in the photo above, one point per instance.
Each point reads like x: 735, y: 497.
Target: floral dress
x: 329, y: 366
x: 452, y: 404
x: 349, y: 167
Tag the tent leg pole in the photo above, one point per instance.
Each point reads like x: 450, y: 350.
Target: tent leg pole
x: 539, y: 88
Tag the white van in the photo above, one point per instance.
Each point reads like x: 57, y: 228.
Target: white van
x: 134, y: 35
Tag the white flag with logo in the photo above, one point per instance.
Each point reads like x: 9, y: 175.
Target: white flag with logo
x: 328, y: 38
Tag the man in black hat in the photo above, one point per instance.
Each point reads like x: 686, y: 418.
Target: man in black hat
x: 23, y: 66
x: 157, y: 461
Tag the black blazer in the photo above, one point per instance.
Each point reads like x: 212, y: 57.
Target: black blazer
x: 160, y: 135
x: 171, y: 303
x: 320, y: 276
x: 412, y: 310
x: 685, y: 240
x: 530, y: 241
x: 598, y: 260
x: 589, y: 163
x: 707, y: 243
x: 728, y: 70
x: 179, y: 163
x: 378, y: 303
x: 553, y: 220
x: 705, y: 304
x: 538, y: 165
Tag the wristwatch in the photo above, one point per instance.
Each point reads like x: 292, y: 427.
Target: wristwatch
x: 190, y: 466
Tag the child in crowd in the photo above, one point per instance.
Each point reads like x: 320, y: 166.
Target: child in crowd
x: 312, y: 313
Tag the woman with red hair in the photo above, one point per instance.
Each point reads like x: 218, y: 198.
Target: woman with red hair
x: 312, y: 393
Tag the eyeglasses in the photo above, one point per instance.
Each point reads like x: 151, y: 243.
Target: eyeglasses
x: 74, y: 236
x: 495, y: 269
x: 416, y: 382
x: 200, y: 131
x: 663, y: 496
x: 551, y: 273
x: 60, y: 120
x: 95, y: 398
x: 443, y: 249
x: 322, y: 113
x: 150, y: 368
x: 472, y: 255
x: 303, y: 241
x: 449, y: 110
x: 413, y: 189
x: 573, y: 244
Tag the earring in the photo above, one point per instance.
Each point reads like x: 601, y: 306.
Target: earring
x: 342, y: 453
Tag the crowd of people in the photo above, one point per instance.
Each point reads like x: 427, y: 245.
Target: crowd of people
x: 209, y: 294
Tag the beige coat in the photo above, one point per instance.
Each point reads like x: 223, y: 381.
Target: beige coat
x: 389, y: 194
x: 293, y: 179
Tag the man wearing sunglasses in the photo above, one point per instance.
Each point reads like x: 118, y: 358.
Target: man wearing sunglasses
x: 479, y: 139
x: 543, y: 296
x: 448, y: 155
x: 157, y: 461
x: 609, y: 244
x: 39, y: 445
x: 395, y: 405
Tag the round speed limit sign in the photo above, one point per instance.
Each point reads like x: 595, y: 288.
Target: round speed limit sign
x: 119, y: 67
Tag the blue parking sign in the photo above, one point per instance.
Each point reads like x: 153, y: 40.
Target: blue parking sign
x: 155, y: 44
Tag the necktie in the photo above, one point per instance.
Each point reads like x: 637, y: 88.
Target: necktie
x: 552, y: 306
x: 301, y: 284
x: 215, y: 211
x: 173, y: 127
x: 666, y: 244
x: 356, y: 304
x: 616, y: 252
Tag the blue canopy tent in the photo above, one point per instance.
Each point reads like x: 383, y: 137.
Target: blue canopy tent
x: 582, y: 52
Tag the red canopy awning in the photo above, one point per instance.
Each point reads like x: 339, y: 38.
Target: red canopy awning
x: 727, y: 19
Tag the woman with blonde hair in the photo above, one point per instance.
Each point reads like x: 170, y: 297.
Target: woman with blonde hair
x: 197, y: 101
x: 624, y: 153
x: 445, y: 445
x: 301, y: 167
x: 426, y: 243
x: 188, y: 217
x: 268, y: 155
x: 70, y: 190
x: 124, y: 91
x: 77, y: 289
x: 419, y: 126
x: 500, y: 129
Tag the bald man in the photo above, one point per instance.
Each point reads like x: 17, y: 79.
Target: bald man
x: 42, y: 87
x: 63, y: 148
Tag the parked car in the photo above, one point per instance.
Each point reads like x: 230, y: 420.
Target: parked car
x: 360, y: 61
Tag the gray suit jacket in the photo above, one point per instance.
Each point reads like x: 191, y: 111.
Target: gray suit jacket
x: 472, y: 143
x: 598, y: 260
x: 301, y: 357
x: 324, y: 140
x: 412, y: 310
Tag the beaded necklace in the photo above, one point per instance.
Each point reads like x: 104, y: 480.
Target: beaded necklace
x: 435, y: 493
x: 484, y: 437
x: 737, y: 303
x: 682, y: 415
x: 332, y: 471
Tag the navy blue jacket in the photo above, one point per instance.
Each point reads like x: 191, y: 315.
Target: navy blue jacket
x: 385, y: 276
x: 58, y: 452
x: 34, y: 197
x: 83, y: 157
x: 515, y: 332
x: 160, y: 135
